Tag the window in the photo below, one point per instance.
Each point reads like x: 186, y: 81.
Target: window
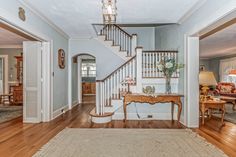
x: 88, y: 70
x: 225, y: 66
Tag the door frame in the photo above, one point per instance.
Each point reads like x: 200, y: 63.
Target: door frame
x: 191, y: 112
x: 5, y: 81
x: 46, y: 110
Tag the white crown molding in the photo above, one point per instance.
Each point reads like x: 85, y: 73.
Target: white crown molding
x: 194, y: 8
x: 44, y: 18
x: 89, y: 38
x: 11, y: 46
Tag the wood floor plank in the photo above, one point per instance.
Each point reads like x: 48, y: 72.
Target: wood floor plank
x: 23, y: 140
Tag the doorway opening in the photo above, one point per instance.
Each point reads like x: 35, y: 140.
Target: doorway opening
x: 84, y: 79
x: 21, y: 73
x: 217, y: 62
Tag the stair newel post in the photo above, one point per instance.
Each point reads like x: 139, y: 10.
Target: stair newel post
x: 98, y: 96
x: 139, y: 51
x: 133, y: 44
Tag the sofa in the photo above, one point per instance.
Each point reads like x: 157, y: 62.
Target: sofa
x: 226, y: 89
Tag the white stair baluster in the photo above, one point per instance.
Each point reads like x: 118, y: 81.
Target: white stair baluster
x: 108, y: 91
x: 153, y: 65
x: 112, y: 86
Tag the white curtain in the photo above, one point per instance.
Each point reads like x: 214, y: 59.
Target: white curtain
x: 225, y: 66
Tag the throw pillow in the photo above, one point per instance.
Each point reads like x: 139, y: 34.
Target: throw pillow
x: 226, y: 89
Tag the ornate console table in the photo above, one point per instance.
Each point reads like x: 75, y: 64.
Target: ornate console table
x: 152, y: 99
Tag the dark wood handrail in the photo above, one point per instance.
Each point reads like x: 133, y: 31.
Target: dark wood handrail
x: 123, y: 30
x: 119, y: 37
x: 116, y: 70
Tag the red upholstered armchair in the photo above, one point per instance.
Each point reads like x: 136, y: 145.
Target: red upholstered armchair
x: 226, y: 89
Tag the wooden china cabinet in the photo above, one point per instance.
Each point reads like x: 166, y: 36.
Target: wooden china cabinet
x: 19, y: 68
x: 17, y: 91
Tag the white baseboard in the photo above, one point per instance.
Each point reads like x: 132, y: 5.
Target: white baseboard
x: 143, y: 116
x: 60, y: 111
x: 31, y: 120
x: 75, y: 103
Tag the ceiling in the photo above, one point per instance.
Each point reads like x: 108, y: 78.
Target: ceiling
x: 9, y: 39
x: 221, y: 43
x: 75, y: 17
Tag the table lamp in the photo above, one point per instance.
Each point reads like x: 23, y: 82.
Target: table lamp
x: 206, y: 79
x: 129, y: 81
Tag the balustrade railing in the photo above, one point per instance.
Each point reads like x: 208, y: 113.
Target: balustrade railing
x: 150, y: 59
x: 111, y: 87
x: 116, y: 34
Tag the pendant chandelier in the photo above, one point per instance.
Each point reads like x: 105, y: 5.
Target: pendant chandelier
x: 109, y: 11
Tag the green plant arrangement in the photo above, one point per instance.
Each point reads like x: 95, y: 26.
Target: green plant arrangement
x: 168, y: 66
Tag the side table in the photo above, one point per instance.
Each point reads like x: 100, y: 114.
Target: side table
x: 211, y: 104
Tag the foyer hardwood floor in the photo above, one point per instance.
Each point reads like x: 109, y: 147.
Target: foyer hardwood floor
x: 23, y: 140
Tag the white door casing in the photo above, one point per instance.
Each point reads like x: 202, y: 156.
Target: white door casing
x: 192, y: 83
x: 32, y: 81
x: 46, y: 82
x: 5, y: 74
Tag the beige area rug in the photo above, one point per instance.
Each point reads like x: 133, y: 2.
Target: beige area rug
x: 128, y: 143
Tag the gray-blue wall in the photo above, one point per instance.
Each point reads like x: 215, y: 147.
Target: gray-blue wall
x: 213, y: 64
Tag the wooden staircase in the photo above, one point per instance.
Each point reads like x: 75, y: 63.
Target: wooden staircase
x: 139, y: 65
x: 117, y: 40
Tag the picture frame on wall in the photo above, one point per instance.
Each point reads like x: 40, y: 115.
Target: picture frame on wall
x: 61, y: 58
x: 202, y: 68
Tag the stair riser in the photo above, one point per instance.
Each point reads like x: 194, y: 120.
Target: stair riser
x: 101, y: 119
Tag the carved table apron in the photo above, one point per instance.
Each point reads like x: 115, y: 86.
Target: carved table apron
x: 159, y: 98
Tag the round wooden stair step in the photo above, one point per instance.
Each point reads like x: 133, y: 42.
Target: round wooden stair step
x: 105, y: 118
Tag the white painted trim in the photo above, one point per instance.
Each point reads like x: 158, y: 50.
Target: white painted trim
x: 185, y: 78
x: 190, y: 12
x: 46, y: 88
x: 69, y: 60
x: 51, y: 80
x: 75, y: 103
x: 79, y: 79
x: 221, y: 13
x: 192, y: 85
x: 44, y: 18
x: 76, y: 39
x: 5, y: 81
x: 60, y: 111
x: 31, y: 120
x: 11, y: 46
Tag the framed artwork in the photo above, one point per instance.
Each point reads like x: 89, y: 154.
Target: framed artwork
x: 202, y: 68
x: 61, y: 58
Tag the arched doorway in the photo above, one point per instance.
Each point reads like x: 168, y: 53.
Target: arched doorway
x: 83, y: 79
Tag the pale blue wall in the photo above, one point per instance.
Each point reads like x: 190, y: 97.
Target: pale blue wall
x: 11, y: 53
x: 37, y: 26
x: 213, y: 64
x: 106, y: 60
x: 146, y: 36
